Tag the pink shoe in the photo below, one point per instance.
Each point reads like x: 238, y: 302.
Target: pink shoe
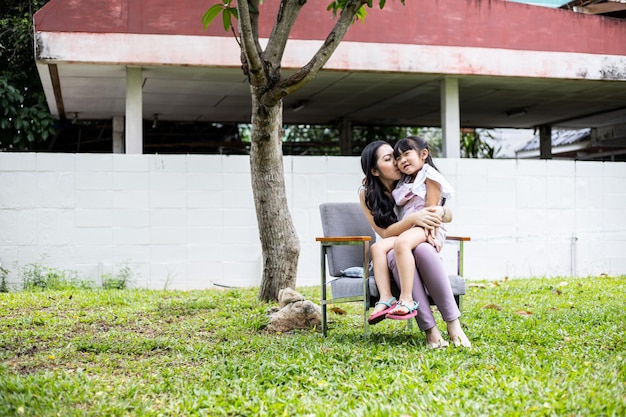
x: 411, y: 311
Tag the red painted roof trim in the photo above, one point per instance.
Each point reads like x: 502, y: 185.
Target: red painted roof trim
x: 465, y: 23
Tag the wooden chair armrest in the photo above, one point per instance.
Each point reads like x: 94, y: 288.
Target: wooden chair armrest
x: 339, y: 239
x: 459, y: 238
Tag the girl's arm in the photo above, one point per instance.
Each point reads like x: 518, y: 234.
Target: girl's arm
x: 433, y: 196
x: 433, y: 192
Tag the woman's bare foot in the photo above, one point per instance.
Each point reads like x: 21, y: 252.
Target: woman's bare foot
x: 434, y: 340
x: 457, y: 335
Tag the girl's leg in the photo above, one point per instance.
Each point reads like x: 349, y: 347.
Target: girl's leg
x: 379, y: 252
x: 434, y: 276
x: 403, y: 248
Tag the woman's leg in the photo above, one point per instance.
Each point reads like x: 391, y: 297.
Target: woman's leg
x: 425, y: 319
x: 434, y: 276
x: 433, y: 273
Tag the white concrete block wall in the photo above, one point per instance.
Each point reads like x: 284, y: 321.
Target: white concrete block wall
x: 188, y: 221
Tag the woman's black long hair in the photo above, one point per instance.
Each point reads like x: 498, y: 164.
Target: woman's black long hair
x: 379, y: 203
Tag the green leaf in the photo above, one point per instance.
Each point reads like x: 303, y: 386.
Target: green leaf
x: 226, y: 19
x: 210, y: 14
x: 361, y: 14
x: 234, y: 13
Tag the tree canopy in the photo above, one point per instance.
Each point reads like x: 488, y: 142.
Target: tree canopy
x: 25, y: 119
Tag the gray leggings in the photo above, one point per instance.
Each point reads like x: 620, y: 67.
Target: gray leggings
x: 431, y: 274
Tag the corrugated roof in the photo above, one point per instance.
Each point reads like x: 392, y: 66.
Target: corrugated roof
x: 559, y: 138
x: 546, y: 3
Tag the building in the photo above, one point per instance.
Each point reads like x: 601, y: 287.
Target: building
x: 454, y: 63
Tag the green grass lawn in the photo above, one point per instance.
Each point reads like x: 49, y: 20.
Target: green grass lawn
x: 542, y: 347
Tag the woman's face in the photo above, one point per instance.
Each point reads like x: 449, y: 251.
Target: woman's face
x: 387, y: 169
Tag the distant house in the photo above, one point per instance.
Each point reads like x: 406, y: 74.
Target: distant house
x: 579, y: 144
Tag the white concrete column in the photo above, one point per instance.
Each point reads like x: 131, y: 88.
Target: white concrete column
x: 450, y: 118
x: 118, y: 134
x: 134, y: 110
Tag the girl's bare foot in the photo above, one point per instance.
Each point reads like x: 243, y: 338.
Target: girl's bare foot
x: 379, y: 307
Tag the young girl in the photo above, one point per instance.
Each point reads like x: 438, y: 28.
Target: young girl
x: 421, y: 186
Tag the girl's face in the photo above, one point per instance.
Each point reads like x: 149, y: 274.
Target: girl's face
x: 411, y: 161
x: 387, y: 169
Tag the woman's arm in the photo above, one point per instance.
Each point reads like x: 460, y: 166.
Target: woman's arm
x: 429, y: 218
x: 444, y: 212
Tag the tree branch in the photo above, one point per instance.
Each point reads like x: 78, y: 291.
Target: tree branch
x: 287, y: 13
x: 334, y: 38
x: 251, y: 50
x: 254, y: 23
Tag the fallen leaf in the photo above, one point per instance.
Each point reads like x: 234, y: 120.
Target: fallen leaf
x: 495, y: 284
x: 523, y: 313
x: 493, y: 307
x: 338, y: 310
x: 563, y: 284
x: 557, y: 292
x: 477, y: 286
x: 567, y: 339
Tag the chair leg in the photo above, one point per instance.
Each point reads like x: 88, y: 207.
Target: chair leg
x: 323, y: 277
x: 366, y: 302
x: 324, y: 325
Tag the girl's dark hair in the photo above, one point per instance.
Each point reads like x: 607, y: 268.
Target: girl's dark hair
x: 417, y: 144
x: 381, y: 205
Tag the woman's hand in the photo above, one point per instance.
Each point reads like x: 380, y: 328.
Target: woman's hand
x: 428, y: 217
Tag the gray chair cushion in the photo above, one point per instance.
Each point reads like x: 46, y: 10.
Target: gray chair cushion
x: 458, y: 284
x: 351, y: 287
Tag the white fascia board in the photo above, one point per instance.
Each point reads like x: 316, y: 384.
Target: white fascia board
x: 141, y: 49
x: 46, y: 82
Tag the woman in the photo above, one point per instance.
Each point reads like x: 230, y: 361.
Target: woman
x: 381, y: 175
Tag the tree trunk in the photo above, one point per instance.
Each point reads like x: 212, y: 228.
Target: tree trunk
x: 279, y: 241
